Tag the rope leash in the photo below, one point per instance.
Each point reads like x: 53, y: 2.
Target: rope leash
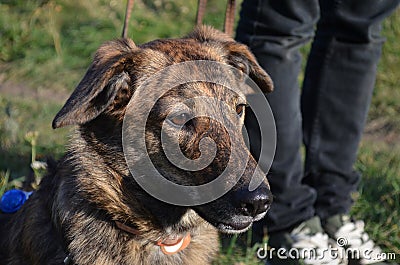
x: 128, y: 11
x: 201, y: 10
x: 229, y: 15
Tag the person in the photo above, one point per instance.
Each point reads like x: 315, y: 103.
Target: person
x: 312, y: 200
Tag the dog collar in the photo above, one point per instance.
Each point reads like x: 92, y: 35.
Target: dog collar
x: 168, y: 246
x: 173, y: 245
x: 128, y: 229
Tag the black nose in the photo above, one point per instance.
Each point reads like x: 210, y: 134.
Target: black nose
x: 253, y: 203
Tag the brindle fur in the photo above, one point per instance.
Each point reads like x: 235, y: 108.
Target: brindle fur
x: 75, y: 209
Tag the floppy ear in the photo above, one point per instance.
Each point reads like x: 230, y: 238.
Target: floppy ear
x: 98, y: 88
x: 240, y: 57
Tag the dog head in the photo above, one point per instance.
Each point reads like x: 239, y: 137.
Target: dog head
x: 100, y: 101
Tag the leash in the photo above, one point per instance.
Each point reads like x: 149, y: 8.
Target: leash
x: 229, y: 21
x: 201, y: 10
x: 229, y: 15
x: 128, y: 11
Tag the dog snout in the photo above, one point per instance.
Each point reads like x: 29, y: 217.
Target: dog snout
x: 253, y: 203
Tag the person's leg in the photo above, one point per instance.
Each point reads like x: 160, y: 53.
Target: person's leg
x: 338, y: 85
x: 275, y: 30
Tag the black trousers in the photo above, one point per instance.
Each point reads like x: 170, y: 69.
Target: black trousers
x: 328, y: 114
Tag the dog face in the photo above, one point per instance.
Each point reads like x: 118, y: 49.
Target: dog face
x: 193, y: 121
x: 100, y: 102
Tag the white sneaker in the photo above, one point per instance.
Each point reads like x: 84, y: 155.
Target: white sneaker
x: 305, y: 244
x: 360, y: 249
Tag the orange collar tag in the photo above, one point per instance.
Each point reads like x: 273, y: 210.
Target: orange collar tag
x: 169, y: 247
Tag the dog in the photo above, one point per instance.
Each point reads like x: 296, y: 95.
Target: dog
x: 90, y: 210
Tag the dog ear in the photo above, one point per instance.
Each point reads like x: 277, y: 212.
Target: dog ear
x: 101, y: 83
x: 240, y: 56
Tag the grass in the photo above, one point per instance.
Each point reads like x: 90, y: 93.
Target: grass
x: 46, y: 45
x: 61, y: 36
x: 378, y: 200
x: 19, y: 118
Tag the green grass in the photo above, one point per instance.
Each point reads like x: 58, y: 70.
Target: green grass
x: 18, y: 118
x: 379, y: 194
x: 50, y: 43
x: 46, y: 46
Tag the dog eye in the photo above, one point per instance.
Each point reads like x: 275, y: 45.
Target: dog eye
x: 240, y: 109
x: 179, y: 119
